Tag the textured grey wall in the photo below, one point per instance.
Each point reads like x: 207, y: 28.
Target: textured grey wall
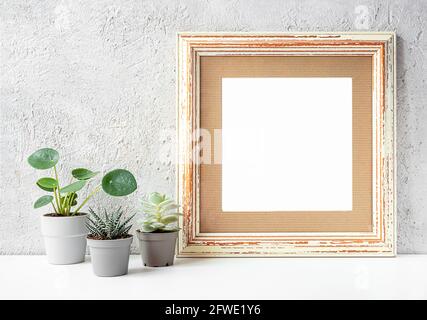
x: 96, y: 80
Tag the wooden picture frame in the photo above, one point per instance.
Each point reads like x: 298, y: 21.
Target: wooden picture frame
x: 377, y: 240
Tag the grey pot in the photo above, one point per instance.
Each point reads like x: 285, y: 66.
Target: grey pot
x: 110, y: 258
x: 157, y: 249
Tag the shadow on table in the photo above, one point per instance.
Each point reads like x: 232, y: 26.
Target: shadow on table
x: 177, y: 263
x: 192, y: 261
x: 141, y: 270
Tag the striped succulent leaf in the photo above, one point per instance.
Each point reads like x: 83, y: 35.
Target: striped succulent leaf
x: 108, y: 226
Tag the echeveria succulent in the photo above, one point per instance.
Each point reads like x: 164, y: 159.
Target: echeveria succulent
x: 160, y: 214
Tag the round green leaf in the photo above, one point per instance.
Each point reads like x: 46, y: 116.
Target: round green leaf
x: 42, y: 201
x: 74, y: 187
x: 47, y: 184
x: 83, y: 174
x: 44, y: 188
x: 44, y: 158
x: 119, y: 182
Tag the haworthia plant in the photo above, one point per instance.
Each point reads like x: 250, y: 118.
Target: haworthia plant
x: 108, y: 226
x: 119, y: 182
x: 160, y: 214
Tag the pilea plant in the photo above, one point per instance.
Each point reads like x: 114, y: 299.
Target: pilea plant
x: 108, y: 226
x: 159, y: 214
x: 64, y: 199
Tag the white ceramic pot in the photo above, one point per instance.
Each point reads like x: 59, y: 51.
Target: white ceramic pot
x: 110, y: 258
x: 64, y: 238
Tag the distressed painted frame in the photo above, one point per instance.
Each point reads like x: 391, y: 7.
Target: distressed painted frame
x: 382, y: 240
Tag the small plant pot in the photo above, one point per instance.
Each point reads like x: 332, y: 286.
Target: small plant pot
x: 64, y: 238
x: 157, y: 249
x: 110, y: 258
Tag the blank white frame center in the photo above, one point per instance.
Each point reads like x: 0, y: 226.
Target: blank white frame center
x: 286, y: 144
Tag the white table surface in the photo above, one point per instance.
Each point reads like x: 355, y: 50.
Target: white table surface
x: 403, y: 277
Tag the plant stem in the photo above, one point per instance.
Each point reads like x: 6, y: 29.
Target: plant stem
x: 70, y: 200
x: 56, y: 200
x: 66, y: 205
x: 97, y: 188
x: 56, y: 174
x: 56, y: 192
x: 56, y: 211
